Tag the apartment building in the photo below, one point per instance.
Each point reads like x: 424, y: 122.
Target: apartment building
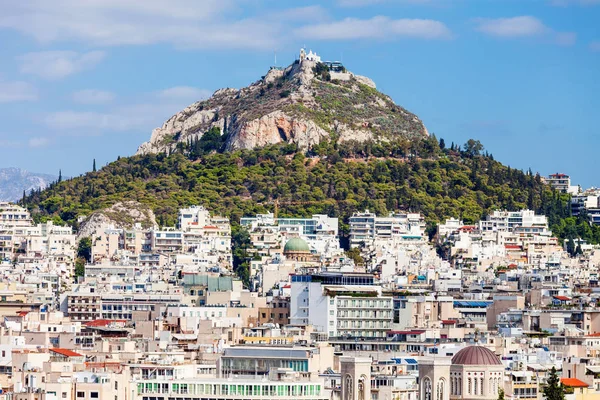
x: 342, y: 304
x: 366, y: 227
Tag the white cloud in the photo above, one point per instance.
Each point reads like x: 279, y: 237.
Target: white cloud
x: 126, y: 118
x: 565, y: 38
x: 92, y: 96
x: 363, y: 3
x: 76, y: 120
x: 187, y: 93
x: 376, y: 28
x: 10, y: 143
x: 565, y: 3
x: 58, y: 64
x: 17, y: 91
x: 511, y: 27
x: 595, y: 46
x: 38, y: 142
x: 183, y: 23
x: 523, y: 27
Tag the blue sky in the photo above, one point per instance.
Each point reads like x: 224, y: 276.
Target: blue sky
x: 91, y: 79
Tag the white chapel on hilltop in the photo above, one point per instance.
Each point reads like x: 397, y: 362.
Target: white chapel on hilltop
x: 310, y: 56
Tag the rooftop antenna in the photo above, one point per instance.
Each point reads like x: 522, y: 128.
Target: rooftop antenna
x: 275, y: 58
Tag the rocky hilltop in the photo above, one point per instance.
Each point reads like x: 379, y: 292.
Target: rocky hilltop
x: 304, y: 103
x: 121, y: 215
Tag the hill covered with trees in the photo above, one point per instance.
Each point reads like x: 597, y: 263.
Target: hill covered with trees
x: 333, y: 178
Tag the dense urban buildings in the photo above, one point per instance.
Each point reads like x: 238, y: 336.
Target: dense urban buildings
x: 159, y: 313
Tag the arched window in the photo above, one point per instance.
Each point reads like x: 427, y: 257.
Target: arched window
x: 459, y: 386
x: 475, y: 386
x: 481, y: 386
x: 452, y: 386
x: 440, y: 389
x: 470, y: 386
x: 427, y: 389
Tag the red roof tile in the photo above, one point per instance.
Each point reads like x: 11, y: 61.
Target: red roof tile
x: 573, y: 382
x: 65, y: 352
x: 416, y: 332
x: 562, y: 298
x: 104, y: 322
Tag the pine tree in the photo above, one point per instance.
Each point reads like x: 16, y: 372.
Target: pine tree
x: 94, y: 166
x: 554, y: 390
x: 59, y: 175
x: 442, y: 144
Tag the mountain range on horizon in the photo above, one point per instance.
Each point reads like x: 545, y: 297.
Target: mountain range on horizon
x: 13, y: 181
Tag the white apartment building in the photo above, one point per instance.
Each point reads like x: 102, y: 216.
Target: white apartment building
x: 562, y: 183
x: 588, y: 202
x: 49, y: 239
x: 341, y: 305
x: 501, y: 220
x: 366, y: 227
x: 14, y: 221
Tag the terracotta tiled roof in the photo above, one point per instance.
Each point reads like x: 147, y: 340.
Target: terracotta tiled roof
x: 65, y: 352
x: 104, y: 322
x: 562, y: 298
x: 573, y: 382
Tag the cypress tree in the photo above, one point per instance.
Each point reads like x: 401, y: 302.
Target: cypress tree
x: 554, y: 390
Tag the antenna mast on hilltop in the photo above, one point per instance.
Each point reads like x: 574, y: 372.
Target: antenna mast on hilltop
x: 275, y: 59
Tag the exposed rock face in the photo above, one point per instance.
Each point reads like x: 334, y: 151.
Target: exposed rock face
x: 122, y: 215
x: 277, y: 127
x: 300, y: 104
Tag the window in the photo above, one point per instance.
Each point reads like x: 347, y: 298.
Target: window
x: 93, y: 395
x: 64, y: 395
x: 116, y: 385
x: 427, y: 387
x: 80, y: 395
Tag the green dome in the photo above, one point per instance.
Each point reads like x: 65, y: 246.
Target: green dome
x: 296, y: 245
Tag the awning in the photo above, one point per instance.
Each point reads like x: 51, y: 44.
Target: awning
x: 537, y: 367
x: 593, y: 368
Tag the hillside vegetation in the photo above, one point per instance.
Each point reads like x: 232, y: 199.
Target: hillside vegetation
x: 331, y: 178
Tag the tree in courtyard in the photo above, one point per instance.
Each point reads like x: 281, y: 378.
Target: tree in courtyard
x: 554, y: 390
x: 500, y: 394
x: 84, y: 249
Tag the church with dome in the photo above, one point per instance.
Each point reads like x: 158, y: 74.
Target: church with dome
x: 297, y: 250
x: 474, y: 372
